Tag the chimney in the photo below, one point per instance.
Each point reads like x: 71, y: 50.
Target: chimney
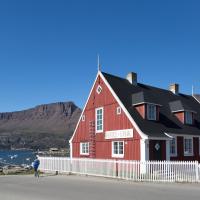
x: 132, y: 78
x: 174, y: 88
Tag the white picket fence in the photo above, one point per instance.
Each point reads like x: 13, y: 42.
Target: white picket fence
x: 165, y: 171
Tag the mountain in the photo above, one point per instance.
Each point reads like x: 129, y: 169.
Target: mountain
x: 42, y: 127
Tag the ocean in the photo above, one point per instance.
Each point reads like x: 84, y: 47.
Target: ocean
x: 16, y: 157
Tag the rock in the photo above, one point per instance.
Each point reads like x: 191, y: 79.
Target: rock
x: 42, y: 127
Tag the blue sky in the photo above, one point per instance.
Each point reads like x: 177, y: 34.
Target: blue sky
x: 48, y: 49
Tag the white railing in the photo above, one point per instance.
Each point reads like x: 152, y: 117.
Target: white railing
x: 166, y: 171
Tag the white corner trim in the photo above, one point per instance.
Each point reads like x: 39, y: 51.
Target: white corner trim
x: 144, y: 136
x: 85, y: 106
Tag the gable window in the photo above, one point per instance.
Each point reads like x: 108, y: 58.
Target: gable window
x: 188, y: 117
x: 83, y: 118
x: 84, y: 148
x: 118, y: 149
x: 173, y: 147
x: 188, y: 146
x: 119, y: 110
x: 151, y: 112
x: 99, y: 89
x: 99, y: 120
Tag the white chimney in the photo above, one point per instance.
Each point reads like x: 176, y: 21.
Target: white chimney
x: 174, y: 88
x: 132, y: 78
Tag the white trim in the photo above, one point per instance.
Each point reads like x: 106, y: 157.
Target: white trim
x: 117, y: 155
x: 96, y: 109
x: 85, y: 106
x: 175, y: 154
x: 175, y: 111
x: 144, y: 150
x: 144, y: 136
x: 188, y: 154
x: 145, y: 102
x: 99, y: 89
x: 81, y: 149
x: 181, y: 135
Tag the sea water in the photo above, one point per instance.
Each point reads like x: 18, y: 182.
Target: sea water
x: 16, y: 157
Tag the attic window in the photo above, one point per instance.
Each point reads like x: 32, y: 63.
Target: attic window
x: 119, y: 110
x: 99, y: 89
x: 188, y: 117
x: 83, y: 118
x: 151, y: 112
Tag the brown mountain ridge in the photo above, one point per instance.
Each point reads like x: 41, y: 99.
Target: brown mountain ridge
x: 42, y: 127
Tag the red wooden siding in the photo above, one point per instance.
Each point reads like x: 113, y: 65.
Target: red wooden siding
x: 141, y: 109
x: 112, y: 121
x: 180, y: 116
x: 180, y: 150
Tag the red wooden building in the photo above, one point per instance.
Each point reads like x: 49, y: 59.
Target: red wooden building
x: 124, y: 119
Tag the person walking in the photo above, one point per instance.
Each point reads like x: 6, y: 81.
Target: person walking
x: 36, y: 164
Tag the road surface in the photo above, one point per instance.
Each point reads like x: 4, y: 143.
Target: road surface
x: 26, y: 187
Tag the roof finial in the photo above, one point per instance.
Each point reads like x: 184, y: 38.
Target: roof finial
x: 98, y: 63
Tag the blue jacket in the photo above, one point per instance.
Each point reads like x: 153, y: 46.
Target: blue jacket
x: 36, y: 164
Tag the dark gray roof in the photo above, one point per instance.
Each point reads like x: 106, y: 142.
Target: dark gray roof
x: 168, y: 122
x: 178, y: 105
x: 141, y: 97
x: 197, y: 97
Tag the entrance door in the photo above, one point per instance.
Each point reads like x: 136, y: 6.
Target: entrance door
x: 157, y: 150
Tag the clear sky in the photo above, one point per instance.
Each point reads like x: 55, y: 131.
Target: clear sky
x: 48, y: 49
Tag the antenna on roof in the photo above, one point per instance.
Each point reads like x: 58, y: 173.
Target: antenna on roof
x: 192, y: 90
x: 98, y: 63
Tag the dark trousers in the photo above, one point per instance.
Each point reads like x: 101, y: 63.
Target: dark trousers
x: 36, y: 172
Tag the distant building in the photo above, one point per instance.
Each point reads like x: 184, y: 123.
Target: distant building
x: 124, y: 119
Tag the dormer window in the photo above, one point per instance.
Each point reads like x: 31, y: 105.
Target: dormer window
x: 188, y: 117
x: 151, y: 112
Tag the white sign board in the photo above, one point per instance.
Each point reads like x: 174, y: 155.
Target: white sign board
x: 126, y: 133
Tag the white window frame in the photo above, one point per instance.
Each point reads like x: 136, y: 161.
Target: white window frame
x: 119, y: 110
x: 175, y: 146
x: 188, y: 117
x: 83, y: 118
x: 96, y: 121
x: 83, y: 150
x: 188, y: 153
x: 149, y: 116
x: 99, y: 89
x: 114, y: 155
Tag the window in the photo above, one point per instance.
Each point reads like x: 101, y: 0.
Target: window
x: 188, y: 146
x: 119, y: 110
x: 83, y: 118
x: 99, y: 120
x: 118, y: 149
x: 99, y: 89
x: 173, y: 147
x: 84, y: 148
x: 151, y: 112
x: 188, y: 117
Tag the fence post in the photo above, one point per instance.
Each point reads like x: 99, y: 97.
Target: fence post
x: 197, y: 170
